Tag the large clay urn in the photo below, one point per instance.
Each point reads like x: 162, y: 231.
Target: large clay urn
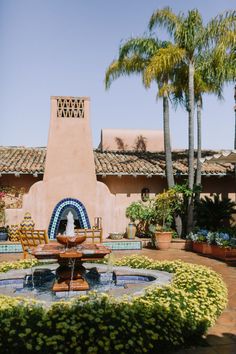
x: 131, y: 230
x: 162, y: 239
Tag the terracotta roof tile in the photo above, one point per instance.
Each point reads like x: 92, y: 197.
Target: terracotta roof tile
x: 32, y: 160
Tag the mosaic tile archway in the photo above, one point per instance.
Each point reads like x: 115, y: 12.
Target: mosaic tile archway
x: 58, y: 211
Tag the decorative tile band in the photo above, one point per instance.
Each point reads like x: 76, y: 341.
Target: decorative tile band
x: 58, y: 211
x: 11, y: 248
x: 123, y: 245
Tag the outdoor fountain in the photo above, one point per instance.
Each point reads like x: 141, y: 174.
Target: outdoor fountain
x: 70, y: 254
x: 72, y: 274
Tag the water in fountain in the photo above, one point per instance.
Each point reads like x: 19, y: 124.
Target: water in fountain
x: 70, y: 226
x: 31, y: 278
x: 108, y: 276
x: 19, y: 282
x: 72, y: 265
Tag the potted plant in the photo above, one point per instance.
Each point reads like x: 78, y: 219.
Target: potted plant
x: 132, y: 212
x: 3, y: 229
x: 165, y: 206
x: 3, y: 233
x: 139, y: 214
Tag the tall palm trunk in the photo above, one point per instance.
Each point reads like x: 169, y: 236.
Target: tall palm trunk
x: 190, y: 143
x: 235, y: 135
x: 167, y: 144
x: 199, y: 141
x: 168, y: 155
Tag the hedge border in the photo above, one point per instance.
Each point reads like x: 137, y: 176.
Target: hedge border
x: 165, y: 317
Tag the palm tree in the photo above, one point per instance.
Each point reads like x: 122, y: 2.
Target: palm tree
x: 193, y: 38
x: 135, y: 57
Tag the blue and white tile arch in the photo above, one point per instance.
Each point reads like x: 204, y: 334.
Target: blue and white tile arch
x: 58, y: 211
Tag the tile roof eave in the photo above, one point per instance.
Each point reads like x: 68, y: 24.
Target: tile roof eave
x: 120, y: 173
x: 21, y: 173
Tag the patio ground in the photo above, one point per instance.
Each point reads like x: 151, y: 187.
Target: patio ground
x: 220, y: 339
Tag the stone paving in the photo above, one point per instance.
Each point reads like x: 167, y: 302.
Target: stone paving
x: 221, y: 338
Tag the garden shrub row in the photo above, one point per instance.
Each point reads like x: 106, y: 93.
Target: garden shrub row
x: 162, y: 318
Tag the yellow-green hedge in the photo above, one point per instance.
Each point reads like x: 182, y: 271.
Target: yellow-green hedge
x: 97, y: 323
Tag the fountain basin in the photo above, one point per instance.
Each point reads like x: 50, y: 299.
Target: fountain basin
x: 70, y: 241
x: 121, y: 281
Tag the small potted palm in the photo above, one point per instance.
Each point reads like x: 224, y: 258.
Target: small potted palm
x: 165, y: 206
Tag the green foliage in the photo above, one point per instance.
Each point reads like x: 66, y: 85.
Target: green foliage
x: 214, y: 214
x: 139, y: 211
x: 162, y: 318
x: 156, y: 212
x: 166, y: 204
x: 22, y: 264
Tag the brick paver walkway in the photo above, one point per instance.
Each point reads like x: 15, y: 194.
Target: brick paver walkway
x: 220, y: 339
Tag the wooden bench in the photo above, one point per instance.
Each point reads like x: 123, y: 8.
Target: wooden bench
x: 32, y: 238
x: 92, y: 235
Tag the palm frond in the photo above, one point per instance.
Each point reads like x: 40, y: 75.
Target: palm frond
x: 127, y: 66
x: 189, y: 34
x: 222, y: 29
x: 165, y: 18
x: 141, y: 46
x: 162, y: 64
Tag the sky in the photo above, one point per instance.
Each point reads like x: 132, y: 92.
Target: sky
x: 63, y: 48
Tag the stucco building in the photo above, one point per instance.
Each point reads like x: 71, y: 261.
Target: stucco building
x: 69, y: 175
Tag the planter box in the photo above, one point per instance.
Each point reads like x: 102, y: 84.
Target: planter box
x: 223, y: 253
x: 202, y: 247
x: 198, y: 247
x: 180, y: 244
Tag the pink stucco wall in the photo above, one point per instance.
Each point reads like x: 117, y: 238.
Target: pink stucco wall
x: 113, y: 195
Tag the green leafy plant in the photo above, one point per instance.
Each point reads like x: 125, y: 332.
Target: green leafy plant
x: 141, y: 213
x: 165, y: 206
x: 214, y: 214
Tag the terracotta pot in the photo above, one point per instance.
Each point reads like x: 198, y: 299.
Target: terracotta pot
x: 162, y: 240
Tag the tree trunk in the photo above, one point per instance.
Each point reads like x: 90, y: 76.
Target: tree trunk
x: 168, y: 155
x: 167, y: 144
x: 190, y: 142
x: 199, y: 141
x: 235, y: 136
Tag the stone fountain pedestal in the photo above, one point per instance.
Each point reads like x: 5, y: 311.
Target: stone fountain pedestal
x: 70, y: 273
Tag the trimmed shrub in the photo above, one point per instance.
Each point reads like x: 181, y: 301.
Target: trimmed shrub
x: 22, y: 264
x: 160, y: 319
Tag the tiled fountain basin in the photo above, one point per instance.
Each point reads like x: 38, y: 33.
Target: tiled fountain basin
x: 125, y: 286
